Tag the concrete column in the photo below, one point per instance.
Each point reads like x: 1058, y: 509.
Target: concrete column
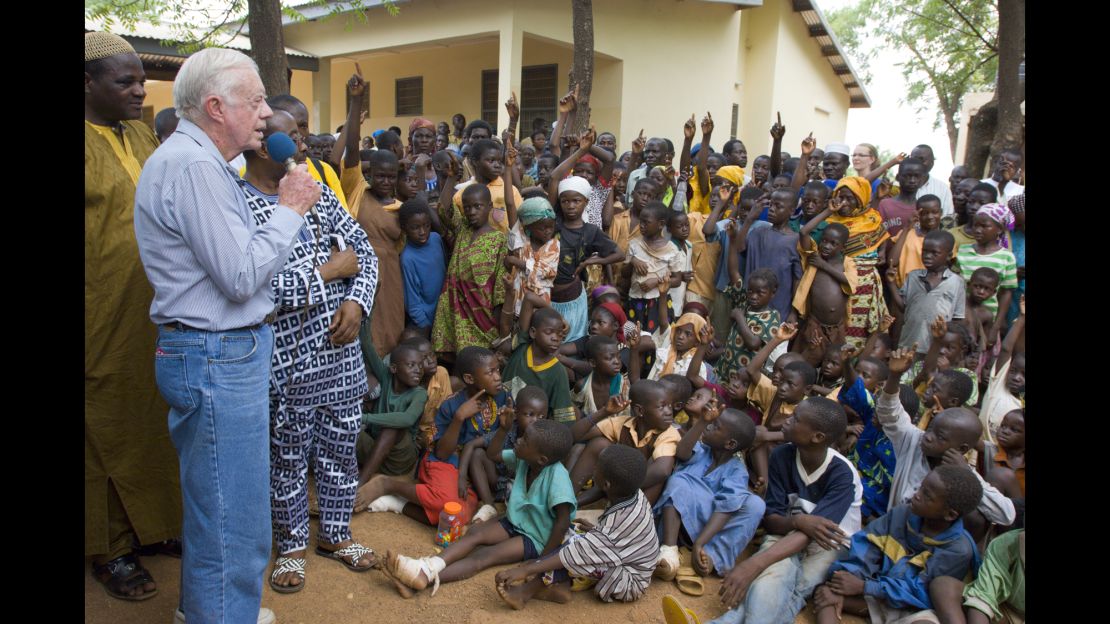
x: 509, y: 55
x: 319, y: 112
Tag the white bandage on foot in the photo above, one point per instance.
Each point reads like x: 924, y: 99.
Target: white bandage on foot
x: 389, y: 502
x: 485, y: 513
x: 668, y: 565
x: 417, y: 573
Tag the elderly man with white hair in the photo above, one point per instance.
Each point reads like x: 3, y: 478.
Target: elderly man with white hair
x: 211, y: 269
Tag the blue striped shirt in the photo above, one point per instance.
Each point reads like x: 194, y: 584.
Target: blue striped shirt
x: 209, y: 264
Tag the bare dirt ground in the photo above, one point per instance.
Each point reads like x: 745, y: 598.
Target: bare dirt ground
x: 334, y: 594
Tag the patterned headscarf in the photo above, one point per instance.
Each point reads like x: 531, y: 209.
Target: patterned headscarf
x: 1000, y: 214
x: 690, y: 318
x: 860, y: 187
x: 420, y: 122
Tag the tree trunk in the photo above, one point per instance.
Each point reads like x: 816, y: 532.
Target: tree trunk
x: 582, y: 67
x: 953, y: 131
x: 1011, y: 50
x: 981, y: 131
x: 267, y: 45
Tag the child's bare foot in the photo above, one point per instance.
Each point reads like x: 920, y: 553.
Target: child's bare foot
x: 402, y: 589
x: 371, y: 490
x: 556, y: 592
x: 513, y: 595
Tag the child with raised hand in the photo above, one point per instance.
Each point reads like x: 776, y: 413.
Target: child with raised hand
x: 948, y: 351
x: 951, y: 434
x: 815, y: 197
x: 753, y: 318
x: 387, y: 441
x: 1007, y: 380
x: 618, y: 554
x: 905, y: 254
x: 488, y: 162
x: 538, y: 260
x: 822, y: 295
x: 868, y: 448
x: 991, y: 249
x: 586, y: 162
x: 647, y: 427
x: 813, y: 506
x: 491, y: 480
x: 928, y: 293
x: 774, y: 248
x: 538, y: 515
x: 467, y: 414
x: 706, y: 500
x: 933, y: 548
x: 777, y: 399
x: 469, y: 307
x: 423, y: 264
x: 654, y: 258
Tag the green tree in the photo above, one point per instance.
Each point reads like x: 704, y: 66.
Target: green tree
x: 952, y: 45
x: 196, y: 24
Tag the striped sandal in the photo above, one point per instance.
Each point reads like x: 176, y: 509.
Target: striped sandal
x: 285, y: 565
x: 354, y: 552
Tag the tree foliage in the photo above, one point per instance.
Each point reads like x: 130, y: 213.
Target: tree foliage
x: 951, y: 48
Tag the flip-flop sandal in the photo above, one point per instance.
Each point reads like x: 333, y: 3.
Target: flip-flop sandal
x: 689, y: 582
x: 355, y: 552
x: 284, y: 565
x: 122, y: 575
x: 675, y: 613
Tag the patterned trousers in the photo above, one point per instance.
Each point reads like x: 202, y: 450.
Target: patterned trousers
x: 326, y: 436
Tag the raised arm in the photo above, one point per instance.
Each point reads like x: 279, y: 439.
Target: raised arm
x: 777, y: 132
x: 507, y: 180
x: 877, y: 173
x: 782, y: 333
x: 801, y: 172
x: 584, y: 142
x: 688, y: 130
x: 1012, y: 336
x: 685, y: 448
x: 937, y: 329
x: 356, y: 86
x: 804, y: 237
x: 585, y: 426
x: 703, y: 154
x: 637, y: 158
x: 567, y: 104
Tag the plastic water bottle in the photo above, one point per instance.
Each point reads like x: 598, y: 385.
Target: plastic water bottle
x: 450, y: 524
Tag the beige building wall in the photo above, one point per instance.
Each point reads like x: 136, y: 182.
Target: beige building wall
x: 159, y: 94
x: 810, y: 96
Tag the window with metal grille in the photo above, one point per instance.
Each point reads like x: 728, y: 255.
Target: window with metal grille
x: 489, y: 96
x: 735, y: 118
x: 410, y: 96
x: 539, y: 97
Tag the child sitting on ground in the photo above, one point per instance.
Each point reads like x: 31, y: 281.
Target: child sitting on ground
x: 867, y: 446
x: 618, y: 554
x: 948, y: 350
x: 829, y: 280
x: 464, y: 416
x: 813, y: 506
x: 679, y: 391
x: 654, y: 259
x: 895, y: 567
x: 1007, y: 380
x: 607, y: 319
x: 491, y: 480
x: 998, y: 592
x: 423, y: 265
x: 440, y: 385
x: 386, y: 443
x: 538, y: 515
x: 672, y: 345
x: 647, y: 427
x: 706, y: 500
x: 928, y: 293
x: 533, y: 363
x: 951, y: 434
x: 1003, y: 464
x: 605, y: 379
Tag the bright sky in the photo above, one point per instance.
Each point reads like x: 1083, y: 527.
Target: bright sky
x: 891, y: 124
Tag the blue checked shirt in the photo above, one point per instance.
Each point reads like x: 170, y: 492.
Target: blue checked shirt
x: 209, y: 264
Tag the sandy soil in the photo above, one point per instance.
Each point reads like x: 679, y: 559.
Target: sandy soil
x: 334, y: 594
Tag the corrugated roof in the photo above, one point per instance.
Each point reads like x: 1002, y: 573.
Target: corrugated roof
x: 830, y: 48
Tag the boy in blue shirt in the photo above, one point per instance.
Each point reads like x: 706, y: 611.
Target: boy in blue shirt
x: 890, y: 566
x: 423, y: 264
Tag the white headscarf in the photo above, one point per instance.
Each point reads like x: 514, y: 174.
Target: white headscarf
x: 577, y: 184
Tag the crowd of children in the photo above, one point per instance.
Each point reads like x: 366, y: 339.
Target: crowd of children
x: 807, y: 383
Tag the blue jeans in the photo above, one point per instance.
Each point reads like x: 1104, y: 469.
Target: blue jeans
x: 217, y: 386
x: 779, y: 594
